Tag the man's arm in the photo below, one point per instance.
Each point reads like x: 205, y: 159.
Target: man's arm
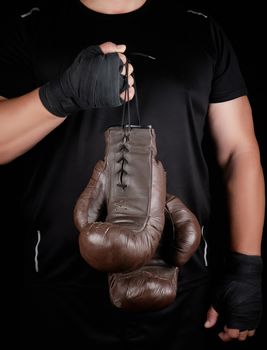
x: 24, y: 120
x: 231, y: 126
x: 238, y: 154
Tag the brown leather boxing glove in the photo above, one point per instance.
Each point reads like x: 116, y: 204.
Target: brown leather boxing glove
x: 179, y: 243
x: 154, y: 286
x: 130, y: 184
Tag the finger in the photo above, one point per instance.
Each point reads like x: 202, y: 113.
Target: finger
x: 243, y: 335
x: 130, y: 69
x: 229, y: 334
x: 124, y: 95
x: 122, y: 57
x: 212, y: 317
x: 130, y: 80
x: 109, y: 47
x: 131, y: 92
x: 225, y: 336
x: 251, y: 333
x: 233, y: 332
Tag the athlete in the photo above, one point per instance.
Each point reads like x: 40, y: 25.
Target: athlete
x: 63, y: 84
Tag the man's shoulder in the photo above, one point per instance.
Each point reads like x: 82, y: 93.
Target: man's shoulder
x: 195, y: 25
x: 197, y: 19
x: 196, y: 14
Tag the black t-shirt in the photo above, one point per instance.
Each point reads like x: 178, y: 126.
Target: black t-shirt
x: 194, y: 65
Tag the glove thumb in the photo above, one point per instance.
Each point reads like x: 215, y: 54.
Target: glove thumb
x: 212, y: 317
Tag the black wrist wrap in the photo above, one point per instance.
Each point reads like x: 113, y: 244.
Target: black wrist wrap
x: 92, y: 81
x: 239, y: 297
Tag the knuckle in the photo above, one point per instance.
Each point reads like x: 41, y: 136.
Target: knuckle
x: 108, y: 46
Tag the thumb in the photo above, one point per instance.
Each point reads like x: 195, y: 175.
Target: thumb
x: 212, y: 317
x: 109, y: 47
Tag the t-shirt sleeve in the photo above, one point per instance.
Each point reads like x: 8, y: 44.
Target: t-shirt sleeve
x: 228, y: 82
x: 16, y: 72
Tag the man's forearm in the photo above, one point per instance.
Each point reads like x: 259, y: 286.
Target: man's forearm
x: 246, y: 202
x: 23, y: 122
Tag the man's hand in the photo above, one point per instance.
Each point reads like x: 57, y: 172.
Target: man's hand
x: 238, y: 298
x: 98, y: 77
x: 227, y: 334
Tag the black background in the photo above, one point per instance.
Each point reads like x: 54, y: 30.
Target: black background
x: 245, y: 25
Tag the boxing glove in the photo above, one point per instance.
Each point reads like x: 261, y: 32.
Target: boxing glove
x: 130, y: 185
x: 154, y: 286
x: 92, y: 80
x: 180, y: 243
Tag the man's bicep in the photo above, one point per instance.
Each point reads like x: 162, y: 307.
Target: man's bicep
x: 231, y: 127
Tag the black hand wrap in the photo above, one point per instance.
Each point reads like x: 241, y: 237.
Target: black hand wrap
x: 92, y: 80
x: 239, y: 298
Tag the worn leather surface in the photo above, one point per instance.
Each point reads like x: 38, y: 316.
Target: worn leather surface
x: 180, y: 242
x: 154, y: 285
x: 130, y: 186
x: 130, y: 228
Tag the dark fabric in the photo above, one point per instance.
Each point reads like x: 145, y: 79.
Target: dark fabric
x: 225, y: 84
x: 92, y: 80
x: 175, y: 101
x: 70, y: 316
x: 239, y: 297
x: 193, y: 66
